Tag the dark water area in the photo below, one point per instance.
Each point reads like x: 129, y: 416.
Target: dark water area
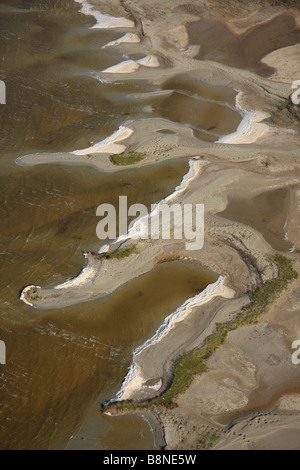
x: 220, y: 44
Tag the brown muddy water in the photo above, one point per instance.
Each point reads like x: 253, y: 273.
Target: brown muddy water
x: 219, y: 43
x: 209, y: 111
x: 51, y: 64
x: 60, y: 363
x: 266, y: 212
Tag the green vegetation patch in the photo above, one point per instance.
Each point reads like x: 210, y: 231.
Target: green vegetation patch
x: 286, y: 114
x: 194, y: 362
x: 117, y: 254
x: 208, y: 441
x: 127, y: 158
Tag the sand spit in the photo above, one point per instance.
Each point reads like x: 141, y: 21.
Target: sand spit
x: 134, y: 380
x: 139, y: 229
x: 86, y: 275
x: 127, y: 66
x: 29, y: 290
x: 88, y: 156
x: 108, y: 145
x: 142, y: 130
x: 128, y: 38
x: 103, y: 21
x: 130, y: 66
x: 149, y: 61
x: 90, y: 277
x: 250, y: 129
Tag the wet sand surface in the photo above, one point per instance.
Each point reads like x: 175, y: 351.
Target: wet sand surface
x: 217, y: 42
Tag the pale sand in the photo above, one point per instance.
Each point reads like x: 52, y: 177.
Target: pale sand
x: 130, y: 66
x: 108, y: 145
x: 250, y: 129
x: 24, y: 294
x: 286, y: 61
x: 289, y: 402
x: 103, y: 21
x: 149, y: 61
x: 128, y: 38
